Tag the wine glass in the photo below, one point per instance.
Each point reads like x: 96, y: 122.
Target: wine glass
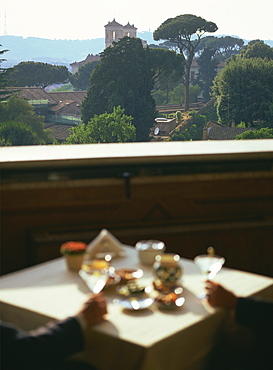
x: 209, y: 265
x: 95, y: 273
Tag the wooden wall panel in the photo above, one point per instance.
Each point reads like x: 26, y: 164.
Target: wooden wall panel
x: 232, y: 211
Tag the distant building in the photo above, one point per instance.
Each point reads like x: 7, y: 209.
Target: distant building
x: 114, y: 31
x: 215, y: 131
x: 90, y: 58
x: 194, y: 70
x: 163, y: 127
x: 61, y: 109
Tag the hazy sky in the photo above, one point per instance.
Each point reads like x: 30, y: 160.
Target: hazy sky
x: 85, y: 19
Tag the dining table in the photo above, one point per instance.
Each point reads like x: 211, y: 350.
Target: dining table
x: 153, y: 338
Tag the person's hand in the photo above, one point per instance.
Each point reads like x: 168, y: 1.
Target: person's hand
x: 93, y: 310
x: 218, y: 296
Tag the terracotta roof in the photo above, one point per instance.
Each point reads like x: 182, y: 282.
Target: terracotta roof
x: 216, y: 131
x: 61, y: 105
x: 77, y: 96
x: 31, y: 93
x: 60, y: 132
x: 37, y: 93
x: 165, y: 127
x: 226, y: 133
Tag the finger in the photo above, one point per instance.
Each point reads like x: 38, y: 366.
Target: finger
x: 209, y: 290
x: 210, y: 284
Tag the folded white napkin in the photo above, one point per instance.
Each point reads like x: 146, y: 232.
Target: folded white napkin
x: 104, y: 243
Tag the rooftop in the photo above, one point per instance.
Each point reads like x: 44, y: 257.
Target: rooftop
x: 217, y: 131
x: 60, y: 132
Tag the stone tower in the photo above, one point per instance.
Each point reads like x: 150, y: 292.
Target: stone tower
x: 129, y: 30
x: 115, y: 31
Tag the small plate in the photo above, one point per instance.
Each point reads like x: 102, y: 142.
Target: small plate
x: 169, y: 304
x: 134, y: 303
x: 129, y: 274
x: 165, y: 289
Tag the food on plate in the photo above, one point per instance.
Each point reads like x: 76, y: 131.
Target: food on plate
x: 166, y: 289
x: 129, y: 274
x: 169, y: 301
x: 95, y: 265
x: 131, y: 288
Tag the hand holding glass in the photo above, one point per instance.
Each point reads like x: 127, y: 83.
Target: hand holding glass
x: 209, y: 266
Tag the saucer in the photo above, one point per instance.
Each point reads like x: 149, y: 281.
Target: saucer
x: 134, y: 303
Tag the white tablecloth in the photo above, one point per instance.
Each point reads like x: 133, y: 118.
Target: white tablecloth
x: 151, y: 339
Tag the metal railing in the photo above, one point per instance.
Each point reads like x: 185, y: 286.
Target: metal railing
x: 70, y: 119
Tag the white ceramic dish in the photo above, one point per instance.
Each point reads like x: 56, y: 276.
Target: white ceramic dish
x: 134, y: 303
x: 148, y: 250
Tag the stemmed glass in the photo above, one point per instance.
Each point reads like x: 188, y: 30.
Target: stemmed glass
x: 95, y: 273
x: 209, y: 265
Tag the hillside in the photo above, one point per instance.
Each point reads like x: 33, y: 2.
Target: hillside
x: 61, y: 52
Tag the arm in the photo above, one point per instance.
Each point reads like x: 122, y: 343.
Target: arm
x: 50, y: 343
x: 40, y: 347
x: 255, y: 313
x: 218, y: 296
x: 248, y: 311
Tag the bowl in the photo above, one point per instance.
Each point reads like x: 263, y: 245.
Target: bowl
x: 148, y: 250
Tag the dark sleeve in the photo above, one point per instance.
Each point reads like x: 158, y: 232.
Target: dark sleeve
x: 258, y: 316
x: 21, y: 350
x: 255, y: 313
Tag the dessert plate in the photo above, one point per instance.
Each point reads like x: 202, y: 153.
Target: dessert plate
x: 170, y: 303
x: 134, y: 303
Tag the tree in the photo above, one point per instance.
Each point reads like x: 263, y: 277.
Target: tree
x: 18, y: 110
x: 207, y: 71
x: 269, y: 114
x: 113, y: 127
x: 16, y: 134
x: 243, y: 91
x: 180, y: 31
x: 177, y: 94
x: 81, y: 79
x: 4, y: 93
x: 263, y: 133
x: 167, y: 68
x: 224, y: 46
x: 178, y: 116
x: 161, y: 97
x: 257, y: 49
x: 123, y: 78
x: 37, y: 74
x: 193, y: 132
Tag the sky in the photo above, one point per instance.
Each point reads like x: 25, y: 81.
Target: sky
x: 85, y: 19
